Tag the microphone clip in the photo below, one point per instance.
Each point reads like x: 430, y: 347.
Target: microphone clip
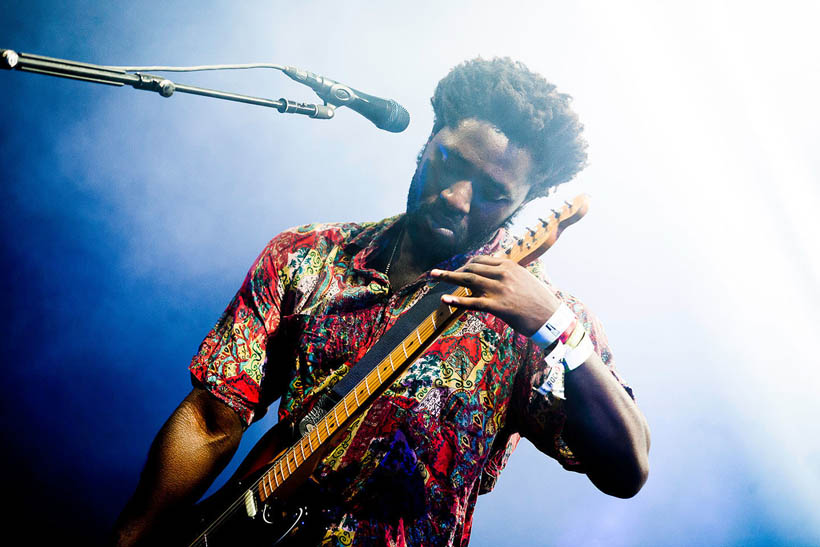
x: 330, y: 91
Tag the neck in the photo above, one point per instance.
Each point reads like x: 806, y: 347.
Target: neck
x: 407, y: 265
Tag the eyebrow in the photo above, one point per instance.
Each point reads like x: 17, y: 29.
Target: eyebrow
x: 486, y: 178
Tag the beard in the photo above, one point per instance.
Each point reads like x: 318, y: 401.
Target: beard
x: 426, y: 244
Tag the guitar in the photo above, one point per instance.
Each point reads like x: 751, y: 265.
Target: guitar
x: 261, y: 504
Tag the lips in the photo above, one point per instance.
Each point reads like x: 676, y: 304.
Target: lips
x: 442, y: 224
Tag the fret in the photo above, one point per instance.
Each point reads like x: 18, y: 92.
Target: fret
x: 277, y: 474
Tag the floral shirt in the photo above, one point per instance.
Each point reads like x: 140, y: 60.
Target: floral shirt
x: 409, y: 470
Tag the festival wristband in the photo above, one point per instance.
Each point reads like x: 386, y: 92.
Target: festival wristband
x: 555, y: 326
x: 577, y: 356
x: 575, y: 337
x: 553, y: 384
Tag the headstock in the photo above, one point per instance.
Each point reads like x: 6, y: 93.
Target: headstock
x: 537, y: 239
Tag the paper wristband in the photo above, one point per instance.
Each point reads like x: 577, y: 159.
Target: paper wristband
x: 554, y: 327
x: 567, y: 334
x: 578, y: 355
x: 575, y: 338
x: 555, y: 357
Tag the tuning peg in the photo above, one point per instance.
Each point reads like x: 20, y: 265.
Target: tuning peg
x: 520, y: 241
x: 531, y: 231
x: 508, y: 251
x: 568, y: 204
x: 542, y: 221
x: 555, y: 213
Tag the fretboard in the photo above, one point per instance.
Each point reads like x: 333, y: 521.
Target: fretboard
x: 524, y: 251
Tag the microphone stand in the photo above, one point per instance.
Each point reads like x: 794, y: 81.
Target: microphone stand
x: 27, y: 62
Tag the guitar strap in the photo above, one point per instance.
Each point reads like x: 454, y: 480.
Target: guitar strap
x: 408, y: 322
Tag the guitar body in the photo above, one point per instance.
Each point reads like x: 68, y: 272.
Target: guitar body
x: 236, y: 514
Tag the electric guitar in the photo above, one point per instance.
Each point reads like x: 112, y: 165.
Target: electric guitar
x: 261, y: 504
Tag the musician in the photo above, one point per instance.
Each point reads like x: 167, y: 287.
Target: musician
x: 318, y: 297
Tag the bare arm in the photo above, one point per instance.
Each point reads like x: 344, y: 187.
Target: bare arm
x: 191, y: 449
x: 606, y: 429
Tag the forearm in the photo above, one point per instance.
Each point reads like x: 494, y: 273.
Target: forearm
x: 606, y: 429
x: 191, y: 449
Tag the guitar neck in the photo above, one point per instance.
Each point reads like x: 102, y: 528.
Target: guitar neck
x: 524, y: 251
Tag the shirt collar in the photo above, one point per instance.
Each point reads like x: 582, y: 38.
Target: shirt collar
x: 373, y: 238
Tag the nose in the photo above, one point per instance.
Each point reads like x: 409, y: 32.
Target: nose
x: 458, y: 196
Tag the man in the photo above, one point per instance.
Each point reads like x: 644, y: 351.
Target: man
x: 318, y: 297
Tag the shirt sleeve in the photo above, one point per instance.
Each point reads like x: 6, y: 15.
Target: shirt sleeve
x: 231, y: 360
x: 538, y: 399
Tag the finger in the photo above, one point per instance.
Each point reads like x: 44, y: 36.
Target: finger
x: 476, y: 303
x: 465, y: 279
x: 487, y: 259
x: 484, y: 270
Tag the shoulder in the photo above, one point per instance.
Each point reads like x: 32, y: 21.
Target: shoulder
x: 315, y: 234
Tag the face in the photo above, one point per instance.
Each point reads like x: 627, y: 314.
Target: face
x: 468, y: 182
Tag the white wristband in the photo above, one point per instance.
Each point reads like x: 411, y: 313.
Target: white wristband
x: 577, y: 356
x: 554, y: 382
x: 554, y: 327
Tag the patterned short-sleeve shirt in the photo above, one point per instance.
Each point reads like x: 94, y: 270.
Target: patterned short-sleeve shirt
x: 409, y: 470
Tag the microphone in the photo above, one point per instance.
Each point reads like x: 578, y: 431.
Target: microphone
x: 386, y: 114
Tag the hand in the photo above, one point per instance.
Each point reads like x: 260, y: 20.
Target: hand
x: 503, y: 288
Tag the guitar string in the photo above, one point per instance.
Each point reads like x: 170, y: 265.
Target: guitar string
x: 460, y: 291
x: 425, y: 329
